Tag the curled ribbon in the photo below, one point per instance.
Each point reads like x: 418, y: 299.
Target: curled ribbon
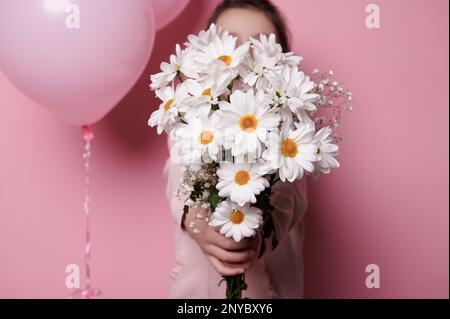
x: 87, y: 292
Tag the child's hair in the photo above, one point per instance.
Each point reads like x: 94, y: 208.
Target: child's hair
x: 265, y: 6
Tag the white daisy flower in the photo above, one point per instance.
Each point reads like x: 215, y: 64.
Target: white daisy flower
x: 326, y: 150
x: 265, y: 55
x: 204, y: 38
x: 290, y: 59
x: 240, y: 182
x: 223, y: 52
x: 204, y: 95
x: 167, y: 113
x: 198, y: 45
x: 198, y: 138
x: 181, y: 61
x: 292, y: 152
x: 293, y: 89
x: 257, y: 71
x: 169, y: 71
x: 236, y: 221
x: 216, y: 71
x: 247, y: 119
x: 267, y: 45
x: 270, y: 47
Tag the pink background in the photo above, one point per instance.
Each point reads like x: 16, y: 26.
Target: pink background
x: 387, y: 205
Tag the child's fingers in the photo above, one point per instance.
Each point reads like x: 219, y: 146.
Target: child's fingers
x: 248, y: 243
x: 245, y: 265
x: 224, y: 270
x: 229, y: 243
x: 231, y: 257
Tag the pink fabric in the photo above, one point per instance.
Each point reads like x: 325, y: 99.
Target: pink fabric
x: 387, y: 204
x: 277, y: 274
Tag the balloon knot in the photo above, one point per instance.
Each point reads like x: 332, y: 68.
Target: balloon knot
x: 88, y: 135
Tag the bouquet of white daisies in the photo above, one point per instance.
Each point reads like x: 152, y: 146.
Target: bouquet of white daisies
x: 243, y: 118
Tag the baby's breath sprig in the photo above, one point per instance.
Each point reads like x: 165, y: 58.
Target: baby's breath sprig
x: 334, y: 98
x: 197, y: 183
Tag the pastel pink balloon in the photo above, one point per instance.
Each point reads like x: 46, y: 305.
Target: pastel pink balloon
x: 79, y: 73
x: 167, y: 10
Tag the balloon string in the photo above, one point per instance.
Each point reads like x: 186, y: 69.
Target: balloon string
x: 87, y: 291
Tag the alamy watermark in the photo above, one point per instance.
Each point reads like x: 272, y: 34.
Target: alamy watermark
x: 373, y: 277
x: 373, y: 16
x: 73, y: 278
x: 64, y: 7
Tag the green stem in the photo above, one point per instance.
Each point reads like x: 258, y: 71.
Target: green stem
x: 179, y: 76
x: 235, y: 285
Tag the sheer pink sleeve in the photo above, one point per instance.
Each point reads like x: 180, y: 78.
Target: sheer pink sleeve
x: 290, y: 201
x: 172, y: 175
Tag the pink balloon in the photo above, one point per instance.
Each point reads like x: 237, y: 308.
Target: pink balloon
x: 167, y: 10
x: 79, y: 73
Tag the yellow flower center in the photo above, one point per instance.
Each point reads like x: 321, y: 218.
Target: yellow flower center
x: 248, y: 123
x: 289, y: 148
x: 236, y: 217
x: 207, y: 92
x: 227, y: 59
x: 168, y: 105
x: 206, y: 137
x: 241, y: 177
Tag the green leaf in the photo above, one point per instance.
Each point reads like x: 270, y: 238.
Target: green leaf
x: 214, y: 198
x: 263, y: 203
x: 235, y: 285
x: 185, y: 212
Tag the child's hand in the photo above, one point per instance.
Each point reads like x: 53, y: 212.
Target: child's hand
x: 227, y: 256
